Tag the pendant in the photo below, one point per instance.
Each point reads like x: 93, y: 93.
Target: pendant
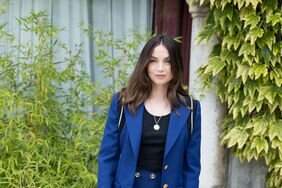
x: 156, y: 127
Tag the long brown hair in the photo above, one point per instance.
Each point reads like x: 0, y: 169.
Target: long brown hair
x: 139, y: 85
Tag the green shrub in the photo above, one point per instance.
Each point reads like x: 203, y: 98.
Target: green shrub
x: 49, y: 134
x: 245, y: 69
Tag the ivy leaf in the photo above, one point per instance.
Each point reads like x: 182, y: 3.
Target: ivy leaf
x: 235, y: 109
x: 230, y: 41
x: 240, y: 3
x: 268, y: 92
x: 233, y: 83
x: 207, y: 32
x: 235, y: 23
x: 276, y: 48
x: 248, y: 15
x: 260, y: 144
x: 247, y: 49
x: 216, y: 50
x: 250, y: 153
x: 212, y: 2
x: 202, y: 2
x: 268, y: 38
x: 276, y: 144
x: 236, y: 135
x: 228, y: 10
x: 250, y: 88
x: 243, y: 71
x: 250, y: 103
x: 254, y: 34
x: 259, y: 125
x: 276, y: 75
x: 273, y: 106
x: 215, y: 65
x: 257, y: 70
x: 269, y: 5
x: 274, y: 19
x: 276, y: 130
x: 265, y: 53
x: 253, y: 2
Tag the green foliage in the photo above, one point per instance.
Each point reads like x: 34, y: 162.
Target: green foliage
x: 49, y: 134
x: 245, y: 69
x: 117, y: 57
x: 47, y: 137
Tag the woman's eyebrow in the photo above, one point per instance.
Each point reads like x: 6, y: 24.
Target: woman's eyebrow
x: 154, y: 57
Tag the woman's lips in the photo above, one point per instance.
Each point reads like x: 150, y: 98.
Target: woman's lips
x: 160, y: 76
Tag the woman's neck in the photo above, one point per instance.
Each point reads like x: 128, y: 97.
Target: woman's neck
x: 158, y: 93
x: 157, y: 103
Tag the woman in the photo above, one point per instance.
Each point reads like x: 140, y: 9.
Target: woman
x: 154, y: 148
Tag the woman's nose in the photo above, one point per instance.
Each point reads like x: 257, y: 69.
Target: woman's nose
x: 160, y: 66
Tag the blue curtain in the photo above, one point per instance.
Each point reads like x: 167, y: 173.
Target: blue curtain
x: 116, y: 16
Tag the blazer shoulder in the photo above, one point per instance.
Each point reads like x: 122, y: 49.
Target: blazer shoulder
x: 186, y: 101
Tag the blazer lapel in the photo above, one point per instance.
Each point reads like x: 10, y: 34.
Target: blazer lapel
x: 177, y: 121
x: 134, y: 124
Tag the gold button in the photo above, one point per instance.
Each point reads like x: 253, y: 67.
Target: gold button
x: 165, y: 167
x: 165, y: 186
x: 137, y: 174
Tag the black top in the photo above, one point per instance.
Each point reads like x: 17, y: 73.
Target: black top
x: 152, y: 142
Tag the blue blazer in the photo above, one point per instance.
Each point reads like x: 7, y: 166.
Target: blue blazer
x: 118, y: 154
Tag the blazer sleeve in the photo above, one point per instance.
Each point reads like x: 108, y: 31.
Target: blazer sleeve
x: 109, y: 150
x: 192, y: 158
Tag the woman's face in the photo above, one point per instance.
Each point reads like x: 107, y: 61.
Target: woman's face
x: 159, y: 67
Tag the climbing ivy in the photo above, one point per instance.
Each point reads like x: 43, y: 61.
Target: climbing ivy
x: 245, y: 69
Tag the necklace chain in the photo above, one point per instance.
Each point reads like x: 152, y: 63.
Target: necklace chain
x: 156, y: 126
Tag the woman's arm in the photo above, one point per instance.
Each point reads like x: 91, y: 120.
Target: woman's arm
x: 109, y: 149
x: 192, y: 158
